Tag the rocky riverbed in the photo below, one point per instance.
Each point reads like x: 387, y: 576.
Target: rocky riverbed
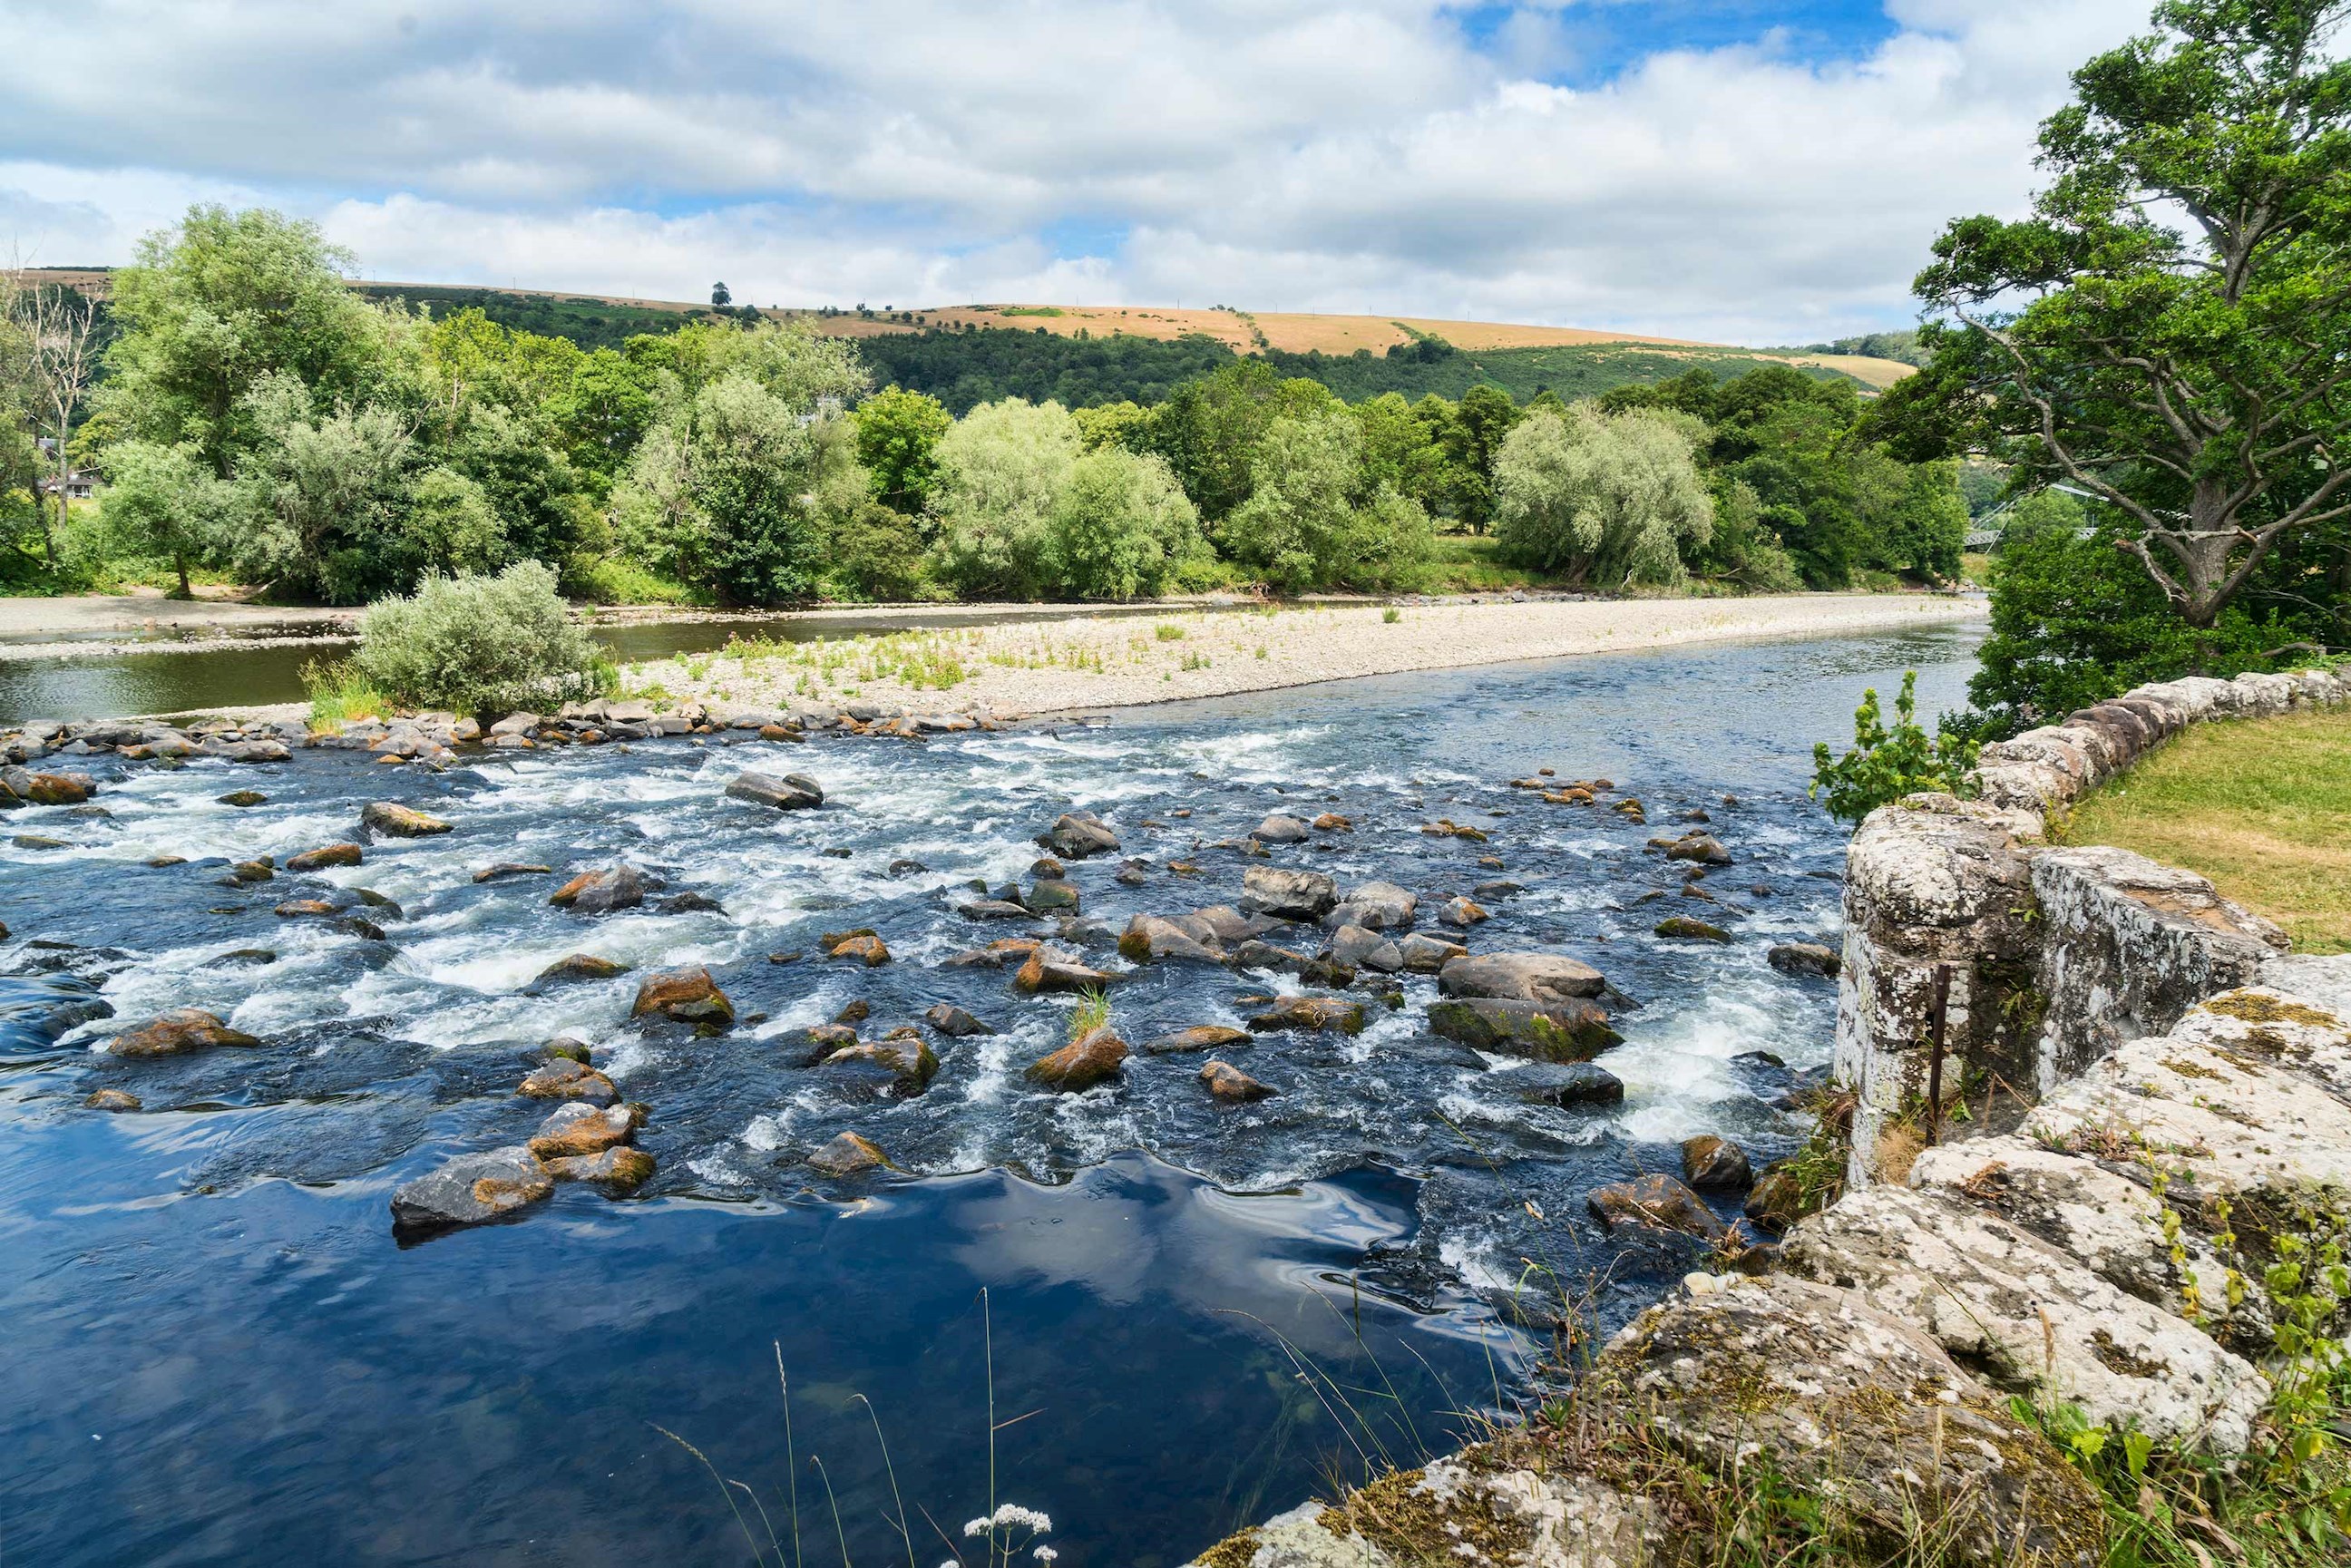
x: 1516, y: 938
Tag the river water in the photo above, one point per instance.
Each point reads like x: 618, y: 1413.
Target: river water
x: 1194, y: 1314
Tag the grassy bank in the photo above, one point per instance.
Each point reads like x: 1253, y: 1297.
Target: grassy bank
x: 2261, y: 807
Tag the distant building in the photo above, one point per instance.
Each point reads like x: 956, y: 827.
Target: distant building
x: 80, y: 485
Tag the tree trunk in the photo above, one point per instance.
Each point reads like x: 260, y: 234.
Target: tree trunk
x: 180, y: 562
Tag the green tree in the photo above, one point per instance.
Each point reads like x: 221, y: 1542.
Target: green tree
x: 2168, y: 330
x: 163, y: 502
x: 758, y: 542
x: 1602, y: 498
x: 328, y: 498
x: 1928, y: 527
x: 220, y: 305
x: 1120, y: 526
x: 897, y: 439
x: 1209, y: 430
x: 1481, y: 422
x: 1000, y: 471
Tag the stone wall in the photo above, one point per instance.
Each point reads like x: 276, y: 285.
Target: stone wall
x: 2057, y: 955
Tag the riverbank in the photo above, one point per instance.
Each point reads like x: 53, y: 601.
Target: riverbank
x: 1102, y: 661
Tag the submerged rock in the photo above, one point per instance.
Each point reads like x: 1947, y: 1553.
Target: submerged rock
x: 178, y: 1033
x: 1080, y: 1064
x: 472, y: 1190
x: 1682, y: 926
x: 112, y: 1099
x: 510, y: 868
x: 1561, y: 1083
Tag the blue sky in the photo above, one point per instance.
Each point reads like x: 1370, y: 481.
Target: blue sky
x: 1730, y: 170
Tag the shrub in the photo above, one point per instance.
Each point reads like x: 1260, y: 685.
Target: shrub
x: 1606, y: 498
x: 339, y: 693
x: 1886, y: 764
x: 1120, y: 527
x: 1000, y: 471
x: 473, y: 644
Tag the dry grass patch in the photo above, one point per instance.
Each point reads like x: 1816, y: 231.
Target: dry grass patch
x: 2262, y: 807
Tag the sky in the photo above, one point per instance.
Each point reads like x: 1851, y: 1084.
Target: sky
x: 1737, y: 170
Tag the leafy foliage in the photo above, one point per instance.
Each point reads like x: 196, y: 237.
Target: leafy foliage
x: 475, y: 644
x: 1601, y: 498
x: 1885, y: 764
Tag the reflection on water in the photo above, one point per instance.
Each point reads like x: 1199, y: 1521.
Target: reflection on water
x: 220, y: 1354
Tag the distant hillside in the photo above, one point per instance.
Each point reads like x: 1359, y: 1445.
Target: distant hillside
x: 1088, y: 355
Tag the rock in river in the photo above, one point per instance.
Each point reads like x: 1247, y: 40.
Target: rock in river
x: 325, y: 856
x: 1519, y: 978
x: 470, y: 1189
x: 1310, y: 1014
x: 1074, y: 835
x: 1356, y: 947
x: 847, y: 1156
x: 1231, y: 1085
x: 1575, y: 1029
x: 1462, y: 914
x: 580, y: 1128
x: 1287, y: 895
x: 601, y: 892
x: 564, y: 1078
x: 112, y: 1099
x: 1202, y: 1037
x: 1278, y: 829
x: 1561, y: 1083
x: 907, y: 1059
x: 1047, y: 972
x: 398, y: 822
x: 684, y: 995
x: 1805, y: 959
x: 1150, y: 939
x: 1080, y: 1064
x: 861, y: 947
x: 953, y: 1023
x: 1704, y: 849
x: 579, y: 967
x: 619, y: 1171
x: 790, y: 792
x: 1428, y: 955
x: 1709, y: 1161
x: 1374, y: 907
x: 1684, y: 928
x: 1654, y: 1204
x: 178, y: 1033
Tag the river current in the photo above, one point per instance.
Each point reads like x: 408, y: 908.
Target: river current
x: 219, y: 1352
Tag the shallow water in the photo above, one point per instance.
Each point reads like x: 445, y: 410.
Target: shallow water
x: 225, y: 673
x: 223, y: 1356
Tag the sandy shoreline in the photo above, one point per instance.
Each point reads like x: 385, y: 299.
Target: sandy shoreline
x: 1100, y: 661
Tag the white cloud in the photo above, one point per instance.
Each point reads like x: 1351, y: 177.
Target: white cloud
x: 1277, y: 153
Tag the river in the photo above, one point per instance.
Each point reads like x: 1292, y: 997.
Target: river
x: 1194, y: 1313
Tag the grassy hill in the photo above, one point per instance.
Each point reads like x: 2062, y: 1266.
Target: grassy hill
x: 1085, y: 355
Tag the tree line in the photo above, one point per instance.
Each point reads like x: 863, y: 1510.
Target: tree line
x: 259, y: 419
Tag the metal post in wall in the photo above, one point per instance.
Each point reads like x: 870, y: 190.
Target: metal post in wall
x: 1938, y: 1019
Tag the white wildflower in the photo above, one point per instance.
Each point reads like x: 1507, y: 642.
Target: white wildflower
x: 1008, y: 1517
x: 1044, y: 1554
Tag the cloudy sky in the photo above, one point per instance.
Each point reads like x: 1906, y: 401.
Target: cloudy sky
x: 1751, y: 171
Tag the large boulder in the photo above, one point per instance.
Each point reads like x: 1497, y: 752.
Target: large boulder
x: 687, y: 996
x: 394, y: 821
x: 907, y: 1057
x: 1521, y: 978
x: 1359, y: 947
x: 1711, y: 1162
x: 1150, y: 939
x: 1074, y: 835
x: 20, y: 788
x: 1428, y: 955
x: 1374, y: 907
x: 2028, y: 1314
x: 1287, y: 895
x: 1279, y: 828
x: 601, y: 892
x: 472, y: 1190
x: 1572, y: 1030
x: 1080, y: 1064
x: 178, y: 1033
x: 1229, y: 1085
x: 1047, y: 972
x: 1561, y: 1083
x: 324, y: 856
x: 619, y: 1170
x: 788, y: 792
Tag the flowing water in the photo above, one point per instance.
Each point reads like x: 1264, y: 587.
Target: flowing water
x: 221, y: 1354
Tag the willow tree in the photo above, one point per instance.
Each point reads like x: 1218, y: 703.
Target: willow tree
x: 2168, y: 330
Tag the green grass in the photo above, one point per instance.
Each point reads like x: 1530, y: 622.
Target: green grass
x: 339, y: 693
x: 1464, y: 563
x: 607, y: 580
x: 2262, y: 807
